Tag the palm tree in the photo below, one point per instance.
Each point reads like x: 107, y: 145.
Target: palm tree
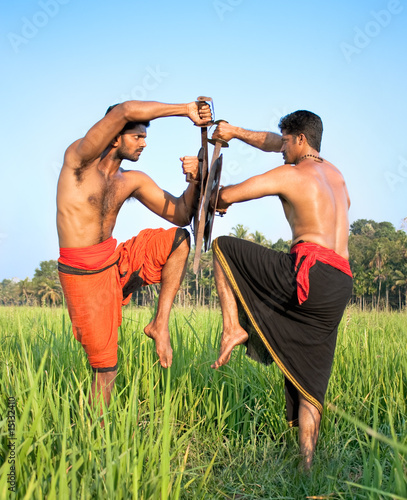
x: 400, y: 280
x: 206, y: 279
x: 378, y: 264
x: 8, y: 293
x: 259, y: 238
x: 50, y: 292
x: 240, y: 231
x: 281, y: 246
x: 26, y: 292
x: 360, y: 286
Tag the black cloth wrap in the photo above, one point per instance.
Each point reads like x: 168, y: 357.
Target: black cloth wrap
x: 63, y: 268
x: 104, y: 370
x: 181, y: 235
x: 301, y: 339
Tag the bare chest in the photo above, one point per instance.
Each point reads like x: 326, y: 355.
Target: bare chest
x: 104, y: 197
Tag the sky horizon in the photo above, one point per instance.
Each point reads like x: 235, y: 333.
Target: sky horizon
x: 66, y: 62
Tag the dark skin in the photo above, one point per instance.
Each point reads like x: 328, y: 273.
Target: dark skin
x: 93, y: 186
x: 315, y: 202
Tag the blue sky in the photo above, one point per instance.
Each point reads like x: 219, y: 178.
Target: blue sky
x: 64, y: 62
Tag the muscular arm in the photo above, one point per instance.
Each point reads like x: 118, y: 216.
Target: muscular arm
x: 273, y: 182
x: 104, y: 131
x: 265, y: 141
x: 175, y: 210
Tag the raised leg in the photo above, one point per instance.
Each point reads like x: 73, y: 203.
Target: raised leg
x: 233, y: 334
x: 102, y: 385
x: 309, y: 419
x: 173, y: 273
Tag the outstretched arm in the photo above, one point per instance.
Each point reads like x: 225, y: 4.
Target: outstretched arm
x: 273, y: 182
x: 104, y: 131
x: 266, y: 141
x: 176, y: 210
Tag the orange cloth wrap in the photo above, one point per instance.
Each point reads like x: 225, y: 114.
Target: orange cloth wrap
x: 88, y: 257
x: 94, y: 300
x: 313, y: 252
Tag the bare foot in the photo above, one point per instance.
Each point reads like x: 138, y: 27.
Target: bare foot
x: 161, y: 337
x: 230, y: 340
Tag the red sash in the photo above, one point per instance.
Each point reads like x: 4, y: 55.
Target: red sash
x: 312, y: 253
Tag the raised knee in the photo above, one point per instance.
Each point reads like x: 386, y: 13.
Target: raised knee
x: 220, y: 240
x: 182, y: 241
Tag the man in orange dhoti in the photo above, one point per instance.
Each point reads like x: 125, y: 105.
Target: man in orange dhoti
x: 98, y: 276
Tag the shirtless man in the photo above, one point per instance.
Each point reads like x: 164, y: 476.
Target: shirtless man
x: 97, y: 278
x: 291, y: 312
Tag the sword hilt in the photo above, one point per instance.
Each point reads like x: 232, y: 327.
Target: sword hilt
x: 188, y: 175
x: 222, y: 143
x: 188, y: 178
x: 202, y: 100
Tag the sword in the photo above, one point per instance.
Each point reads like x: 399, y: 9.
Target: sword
x: 205, y: 218
x: 203, y: 166
x: 202, y: 100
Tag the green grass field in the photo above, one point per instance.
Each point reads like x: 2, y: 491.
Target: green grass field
x: 191, y: 432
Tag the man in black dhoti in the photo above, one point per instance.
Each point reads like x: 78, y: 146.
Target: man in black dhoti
x: 284, y: 307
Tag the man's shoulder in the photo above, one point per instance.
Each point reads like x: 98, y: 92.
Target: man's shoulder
x: 136, y: 179
x: 73, y: 148
x: 334, y: 171
x: 72, y: 157
x: 134, y: 174
x: 285, y: 169
x: 288, y: 172
x: 310, y: 166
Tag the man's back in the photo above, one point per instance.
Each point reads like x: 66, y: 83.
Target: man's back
x: 314, y: 198
x: 316, y: 203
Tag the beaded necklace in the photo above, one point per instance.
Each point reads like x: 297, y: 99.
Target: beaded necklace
x: 317, y: 158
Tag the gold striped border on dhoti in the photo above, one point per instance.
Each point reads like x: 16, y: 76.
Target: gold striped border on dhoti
x: 277, y: 360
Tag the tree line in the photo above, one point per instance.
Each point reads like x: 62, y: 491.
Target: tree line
x: 378, y: 259
x: 377, y: 255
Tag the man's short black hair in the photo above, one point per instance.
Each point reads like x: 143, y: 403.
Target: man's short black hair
x: 304, y: 122
x: 129, y: 125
